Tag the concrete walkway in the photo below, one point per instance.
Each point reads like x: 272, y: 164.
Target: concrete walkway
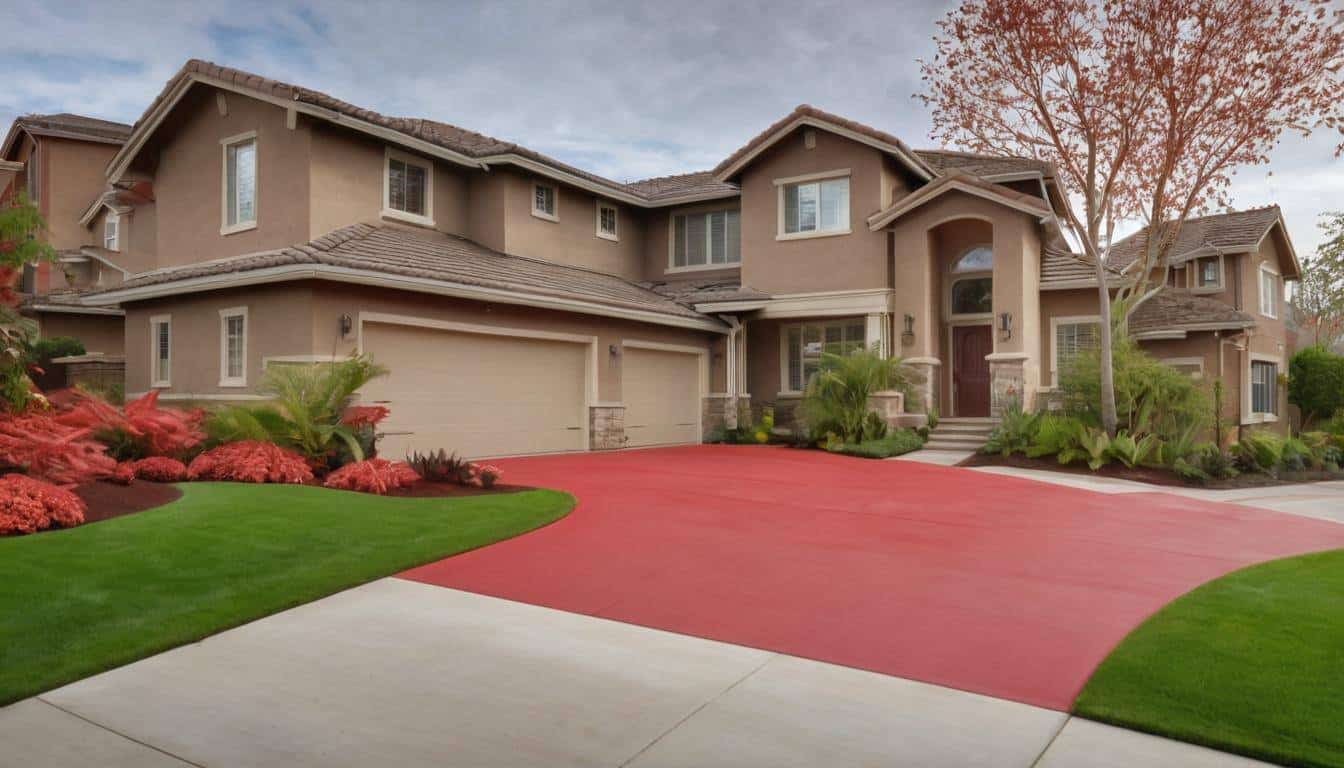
x: 407, y: 674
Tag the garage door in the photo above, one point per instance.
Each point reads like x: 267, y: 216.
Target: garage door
x: 661, y: 391
x: 477, y: 394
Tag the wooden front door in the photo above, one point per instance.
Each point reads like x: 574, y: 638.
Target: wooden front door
x: 970, y: 369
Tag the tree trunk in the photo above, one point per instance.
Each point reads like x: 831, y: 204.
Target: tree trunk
x: 1109, y: 419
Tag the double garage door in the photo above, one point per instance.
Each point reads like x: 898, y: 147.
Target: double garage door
x: 486, y: 394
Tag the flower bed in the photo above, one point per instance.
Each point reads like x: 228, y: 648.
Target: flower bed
x: 28, y: 505
x: 372, y: 476
x: 250, y: 461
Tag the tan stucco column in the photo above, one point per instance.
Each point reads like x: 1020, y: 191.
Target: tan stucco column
x: 1014, y: 366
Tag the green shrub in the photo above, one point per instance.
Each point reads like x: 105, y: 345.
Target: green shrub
x: 1190, y: 473
x: 836, y: 398
x: 1130, y: 452
x: 1213, y: 461
x: 1296, y: 456
x: 1150, y: 397
x: 43, y: 351
x: 1316, y: 383
x: 1175, y: 448
x: 1055, y: 434
x: 1093, y: 447
x: 1258, y: 452
x: 1015, y: 432
x: 895, y: 443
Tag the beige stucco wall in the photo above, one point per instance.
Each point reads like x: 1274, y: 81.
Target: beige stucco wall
x: 100, y: 333
x: 188, y: 184
x: 657, y: 251
x: 832, y: 263
x: 74, y: 176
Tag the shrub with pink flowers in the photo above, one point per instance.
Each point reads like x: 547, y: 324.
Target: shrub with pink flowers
x: 160, y: 469
x: 364, y: 415
x: 372, y: 476
x: 124, y: 474
x: 250, y: 461
x: 486, y: 475
x: 28, y: 506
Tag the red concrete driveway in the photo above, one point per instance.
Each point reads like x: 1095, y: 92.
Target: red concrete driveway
x: 986, y: 583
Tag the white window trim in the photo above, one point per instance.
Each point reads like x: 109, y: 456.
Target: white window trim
x: 784, y: 389
x: 154, y: 322
x: 388, y: 212
x: 1195, y: 361
x: 1055, y: 322
x: 1260, y: 290
x: 781, y: 184
x: 555, y: 201
x: 1247, y: 415
x: 224, y: 227
x: 1195, y: 287
x: 114, y: 219
x: 224, y: 379
x: 612, y: 236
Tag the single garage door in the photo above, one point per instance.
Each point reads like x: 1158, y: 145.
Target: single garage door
x: 661, y: 391
x: 477, y: 394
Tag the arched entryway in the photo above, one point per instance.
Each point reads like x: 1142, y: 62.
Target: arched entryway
x: 963, y: 256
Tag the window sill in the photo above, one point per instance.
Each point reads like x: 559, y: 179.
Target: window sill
x: 811, y: 235
x: 545, y: 216
x: 161, y: 385
x: 409, y: 218
x: 704, y: 267
x: 1270, y: 317
x: 233, y: 383
x: 1208, y: 289
x: 605, y: 236
x: 236, y: 228
x: 1260, y: 418
x: 788, y: 395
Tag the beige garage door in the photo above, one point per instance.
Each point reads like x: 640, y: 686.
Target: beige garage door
x: 477, y: 394
x: 661, y: 391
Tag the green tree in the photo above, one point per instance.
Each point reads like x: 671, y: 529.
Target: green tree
x: 1316, y: 383
x: 1319, y: 296
x: 20, y: 226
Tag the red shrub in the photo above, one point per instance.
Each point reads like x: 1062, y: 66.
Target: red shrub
x: 372, y: 476
x: 124, y: 473
x: 28, y: 505
x: 364, y: 415
x: 160, y: 469
x: 250, y: 461
x: 50, y: 450
x: 154, y: 431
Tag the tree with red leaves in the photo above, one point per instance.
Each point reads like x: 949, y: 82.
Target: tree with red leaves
x: 1146, y: 108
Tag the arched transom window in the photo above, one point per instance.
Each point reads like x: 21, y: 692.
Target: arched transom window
x: 978, y: 259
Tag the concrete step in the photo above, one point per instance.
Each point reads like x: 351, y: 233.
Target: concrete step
x: 971, y: 443
x: 987, y: 420
x: 971, y: 428
x: 934, y: 445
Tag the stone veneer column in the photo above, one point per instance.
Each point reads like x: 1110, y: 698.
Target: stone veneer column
x: 926, y: 381
x: 606, y: 427
x: 1007, y: 382
x: 719, y: 412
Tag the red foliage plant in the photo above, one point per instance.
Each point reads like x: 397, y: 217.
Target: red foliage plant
x: 250, y: 461
x: 47, y: 449
x: 364, y: 415
x: 28, y: 506
x: 124, y: 474
x: 155, y: 431
x: 160, y: 469
x: 372, y: 476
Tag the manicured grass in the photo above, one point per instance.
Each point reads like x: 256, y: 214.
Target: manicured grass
x: 1250, y: 663
x: 84, y: 600
x: 895, y: 443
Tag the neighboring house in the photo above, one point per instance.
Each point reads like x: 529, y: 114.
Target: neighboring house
x: 524, y: 305
x: 58, y: 162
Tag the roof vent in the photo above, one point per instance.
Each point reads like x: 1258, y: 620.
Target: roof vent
x: 810, y: 138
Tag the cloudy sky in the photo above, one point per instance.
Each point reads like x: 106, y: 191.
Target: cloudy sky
x: 625, y: 89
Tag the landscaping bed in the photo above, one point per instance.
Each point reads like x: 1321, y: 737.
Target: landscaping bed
x: 1143, y: 474
x: 108, y: 500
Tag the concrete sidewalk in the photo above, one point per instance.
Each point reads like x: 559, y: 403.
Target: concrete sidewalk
x: 407, y: 674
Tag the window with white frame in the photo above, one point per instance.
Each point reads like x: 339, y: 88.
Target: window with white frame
x: 807, y: 342
x: 1074, y: 337
x: 1270, y: 291
x: 1209, y: 273
x: 111, y: 234
x: 408, y: 183
x: 606, y: 221
x: 814, y: 207
x: 543, y: 202
x: 706, y: 239
x: 1264, y: 387
x: 240, y: 182
x: 233, y: 347
x: 1190, y: 366
x: 160, y: 351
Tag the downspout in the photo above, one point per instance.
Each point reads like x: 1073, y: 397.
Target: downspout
x: 730, y: 373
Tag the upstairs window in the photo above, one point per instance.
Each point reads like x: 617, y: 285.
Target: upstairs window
x: 543, y: 202
x: 1270, y: 291
x: 160, y: 351
x: 1209, y: 273
x: 408, y: 188
x: 606, y: 221
x: 1264, y: 387
x: 806, y: 343
x: 233, y: 347
x: 240, y: 183
x: 111, y: 225
x: 706, y: 240
x: 814, y: 207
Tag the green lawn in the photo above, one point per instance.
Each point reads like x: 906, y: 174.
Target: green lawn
x: 80, y: 601
x: 1251, y: 663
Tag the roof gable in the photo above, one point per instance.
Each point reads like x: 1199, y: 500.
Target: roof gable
x: 960, y: 181
x: 65, y: 126
x: 1231, y: 232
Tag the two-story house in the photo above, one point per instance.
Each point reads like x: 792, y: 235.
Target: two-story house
x: 524, y: 305
x: 57, y: 162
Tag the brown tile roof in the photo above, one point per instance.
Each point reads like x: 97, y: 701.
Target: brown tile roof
x: 1233, y: 232
x: 68, y: 126
x: 698, y: 183
x: 950, y: 180
x: 983, y: 165
x: 1177, y: 310
x: 394, y: 250
x: 1062, y: 268
x: 807, y: 110
x: 692, y: 292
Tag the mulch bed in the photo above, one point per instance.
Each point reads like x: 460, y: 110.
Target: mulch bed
x: 1152, y: 475
x: 108, y: 500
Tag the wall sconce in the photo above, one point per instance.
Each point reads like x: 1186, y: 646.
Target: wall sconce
x: 1006, y: 325
x: 614, y: 350
x: 908, y: 335
x: 347, y: 325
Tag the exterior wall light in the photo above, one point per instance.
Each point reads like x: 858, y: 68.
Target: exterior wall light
x: 908, y: 335
x: 614, y: 350
x: 1006, y: 325
x: 347, y: 325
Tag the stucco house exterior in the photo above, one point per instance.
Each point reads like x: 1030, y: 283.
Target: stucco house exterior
x: 524, y: 305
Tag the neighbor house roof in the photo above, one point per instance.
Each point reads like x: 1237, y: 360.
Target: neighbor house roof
x: 432, y: 136
x: 681, y: 185
x: 694, y: 292
x: 120, y: 197
x: 396, y: 257
x: 65, y: 301
x: 982, y: 165
x: 1062, y: 269
x: 66, y: 126
x: 1177, y: 311
x: 1232, y: 232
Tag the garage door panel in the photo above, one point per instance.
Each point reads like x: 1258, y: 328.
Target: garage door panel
x: 477, y: 394
x: 661, y: 392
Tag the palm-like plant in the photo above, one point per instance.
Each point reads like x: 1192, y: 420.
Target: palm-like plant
x: 836, y: 398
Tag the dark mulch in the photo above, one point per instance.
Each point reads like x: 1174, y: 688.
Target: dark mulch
x: 108, y: 500
x: 1153, y: 475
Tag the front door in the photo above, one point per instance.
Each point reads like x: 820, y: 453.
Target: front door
x: 970, y: 369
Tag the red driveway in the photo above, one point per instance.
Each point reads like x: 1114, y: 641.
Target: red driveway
x: 997, y: 585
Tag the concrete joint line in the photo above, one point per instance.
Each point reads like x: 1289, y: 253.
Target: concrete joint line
x: 1051, y: 742
x: 696, y: 711
x: 115, y: 732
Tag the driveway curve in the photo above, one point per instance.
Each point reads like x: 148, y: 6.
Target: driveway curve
x: 997, y: 585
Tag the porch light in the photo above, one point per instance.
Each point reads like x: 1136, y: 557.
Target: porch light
x: 347, y: 324
x: 1006, y: 325
x: 908, y: 335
